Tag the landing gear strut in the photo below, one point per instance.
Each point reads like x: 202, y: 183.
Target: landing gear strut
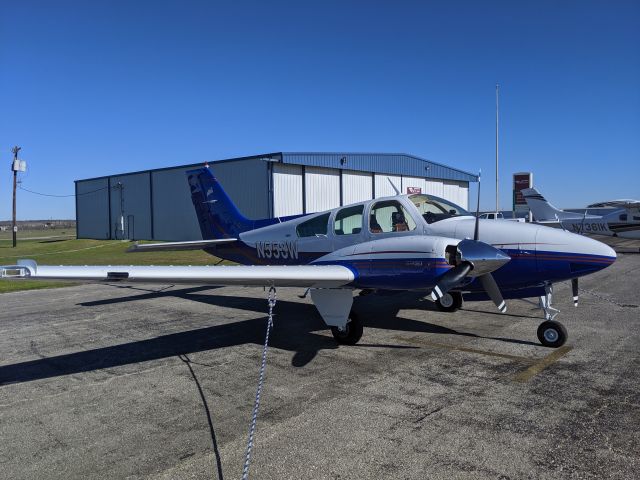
x: 450, y: 302
x: 351, y: 333
x: 550, y: 332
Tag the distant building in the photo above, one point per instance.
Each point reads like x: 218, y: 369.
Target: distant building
x: 156, y: 204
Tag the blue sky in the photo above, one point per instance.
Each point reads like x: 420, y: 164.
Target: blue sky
x: 90, y: 88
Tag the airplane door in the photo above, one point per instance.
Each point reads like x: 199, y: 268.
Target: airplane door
x: 347, y: 227
x: 313, y: 238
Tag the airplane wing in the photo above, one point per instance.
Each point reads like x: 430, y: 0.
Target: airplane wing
x: 166, y: 246
x: 312, y: 276
x: 625, y: 203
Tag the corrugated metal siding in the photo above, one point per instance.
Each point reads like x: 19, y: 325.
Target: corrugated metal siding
x: 435, y: 187
x: 287, y: 190
x: 132, y: 203
x: 414, y: 182
x: 457, y: 193
x: 92, y: 209
x: 247, y: 183
x: 384, y: 187
x: 174, y: 218
x: 356, y: 187
x: 322, y: 189
x: 463, y: 195
x: 398, y: 164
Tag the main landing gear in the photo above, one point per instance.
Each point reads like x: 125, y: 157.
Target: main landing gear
x: 550, y: 332
x: 449, y: 302
x: 351, y: 333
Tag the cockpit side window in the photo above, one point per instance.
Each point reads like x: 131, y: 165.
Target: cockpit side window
x: 390, y: 216
x: 434, y: 209
x: 348, y: 221
x: 314, y: 226
x: 623, y: 217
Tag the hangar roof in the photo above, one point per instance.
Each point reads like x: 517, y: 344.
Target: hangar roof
x: 389, y: 163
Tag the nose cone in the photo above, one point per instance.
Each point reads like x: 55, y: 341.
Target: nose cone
x: 585, y: 255
x: 601, y: 249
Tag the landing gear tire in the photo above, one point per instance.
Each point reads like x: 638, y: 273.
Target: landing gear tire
x: 352, y: 332
x: 450, y: 302
x: 552, y: 334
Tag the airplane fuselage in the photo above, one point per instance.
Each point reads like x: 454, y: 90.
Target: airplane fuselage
x: 411, y: 257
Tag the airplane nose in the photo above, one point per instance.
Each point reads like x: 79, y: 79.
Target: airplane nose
x: 605, y: 250
x: 599, y: 254
x: 581, y: 255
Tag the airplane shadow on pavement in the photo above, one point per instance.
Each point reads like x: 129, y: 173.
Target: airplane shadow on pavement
x: 295, y: 327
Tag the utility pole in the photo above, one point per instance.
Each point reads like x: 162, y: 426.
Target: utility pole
x: 15, y: 166
x: 497, y: 189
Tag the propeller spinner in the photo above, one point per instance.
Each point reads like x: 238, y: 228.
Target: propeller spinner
x: 475, y: 259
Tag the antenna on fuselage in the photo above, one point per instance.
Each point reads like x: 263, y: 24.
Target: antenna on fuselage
x: 476, y: 231
x: 394, y: 187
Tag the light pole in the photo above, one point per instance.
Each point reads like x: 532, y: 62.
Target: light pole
x: 497, y: 189
x: 15, y: 166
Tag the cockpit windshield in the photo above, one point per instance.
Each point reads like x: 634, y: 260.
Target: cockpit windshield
x: 433, y: 209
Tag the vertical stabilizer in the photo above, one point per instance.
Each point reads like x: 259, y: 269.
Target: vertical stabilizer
x: 217, y: 214
x: 541, y: 209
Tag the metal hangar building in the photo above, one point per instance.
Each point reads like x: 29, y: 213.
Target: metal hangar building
x: 156, y: 204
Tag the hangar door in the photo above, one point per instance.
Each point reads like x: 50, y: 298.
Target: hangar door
x: 356, y: 187
x: 287, y: 189
x: 413, y: 185
x: 387, y: 185
x: 322, y: 187
x: 457, y: 192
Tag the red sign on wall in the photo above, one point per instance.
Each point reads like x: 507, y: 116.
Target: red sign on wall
x: 411, y: 190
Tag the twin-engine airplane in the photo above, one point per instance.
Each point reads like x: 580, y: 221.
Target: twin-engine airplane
x: 406, y: 242
x: 623, y: 221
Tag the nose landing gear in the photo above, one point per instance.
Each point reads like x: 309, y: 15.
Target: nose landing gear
x: 550, y: 332
x: 449, y: 302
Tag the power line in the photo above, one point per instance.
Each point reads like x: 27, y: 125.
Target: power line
x: 61, y: 196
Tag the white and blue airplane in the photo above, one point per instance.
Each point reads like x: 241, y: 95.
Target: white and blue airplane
x: 405, y: 242
x: 622, y: 221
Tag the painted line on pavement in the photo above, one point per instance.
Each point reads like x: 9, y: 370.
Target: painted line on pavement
x: 416, y: 341
x: 538, y: 367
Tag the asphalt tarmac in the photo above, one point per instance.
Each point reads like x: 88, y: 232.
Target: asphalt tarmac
x: 158, y: 382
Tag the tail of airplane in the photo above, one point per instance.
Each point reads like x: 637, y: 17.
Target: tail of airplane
x: 541, y: 209
x: 217, y: 214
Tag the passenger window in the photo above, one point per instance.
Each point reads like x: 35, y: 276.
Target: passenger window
x: 313, y: 227
x: 348, y: 221
x: 390, y: 216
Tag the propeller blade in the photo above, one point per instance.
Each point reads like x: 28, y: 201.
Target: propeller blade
x: 450, y: 279
x: 491, y: 287
x: 476, y: 231
x: 574, y: 289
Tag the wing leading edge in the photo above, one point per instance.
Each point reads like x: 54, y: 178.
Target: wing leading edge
x: 177, y: 246
x: 311, y: 276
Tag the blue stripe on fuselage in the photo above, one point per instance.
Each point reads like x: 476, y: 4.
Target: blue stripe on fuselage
x: 527, y: 268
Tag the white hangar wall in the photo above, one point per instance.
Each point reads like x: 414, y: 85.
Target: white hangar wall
x: 298, y: 189
x: 156, y: 204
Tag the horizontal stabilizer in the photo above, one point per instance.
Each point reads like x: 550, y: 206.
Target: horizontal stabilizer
x: 310, y: 276
x: 174, y: 246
